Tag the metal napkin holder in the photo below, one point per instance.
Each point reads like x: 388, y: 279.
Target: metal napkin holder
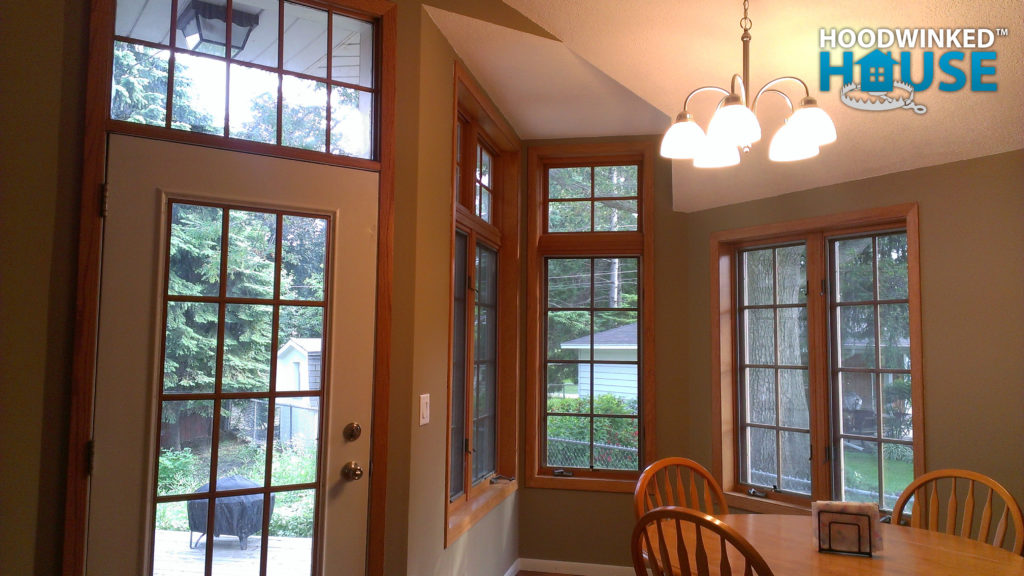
x: 832, y: 524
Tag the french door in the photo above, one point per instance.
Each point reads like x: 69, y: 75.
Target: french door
x: 235, y: 364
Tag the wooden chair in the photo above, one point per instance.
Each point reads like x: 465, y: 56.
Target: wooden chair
x: 942, y: 493
x: 678, y: 482
x: 672, y: 541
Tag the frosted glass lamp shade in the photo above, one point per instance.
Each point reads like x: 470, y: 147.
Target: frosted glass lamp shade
x: 683, y: 140
x: 717, y: 153
x: 814, y: 123
x: 735, y: 123
x: 789, y: 144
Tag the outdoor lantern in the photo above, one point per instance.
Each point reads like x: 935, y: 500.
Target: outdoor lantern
x: 205, y: 24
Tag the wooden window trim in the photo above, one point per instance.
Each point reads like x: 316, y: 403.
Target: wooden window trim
x: 724, y: 247
x: 474, y: 110
x: 96, y: 130
x: 540, y: 245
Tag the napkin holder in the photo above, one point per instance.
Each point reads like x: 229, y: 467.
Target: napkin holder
x: 846, y: 528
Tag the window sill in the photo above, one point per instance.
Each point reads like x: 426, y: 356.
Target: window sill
x: 583, y: 483
x: 749, y: 503
x: 463, y: 515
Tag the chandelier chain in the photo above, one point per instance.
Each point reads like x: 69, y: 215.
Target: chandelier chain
x: 745, y: 22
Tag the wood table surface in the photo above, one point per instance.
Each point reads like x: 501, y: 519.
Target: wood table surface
x: 787, y: 543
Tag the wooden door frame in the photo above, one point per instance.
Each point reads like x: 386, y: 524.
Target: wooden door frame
x: 90, y: 239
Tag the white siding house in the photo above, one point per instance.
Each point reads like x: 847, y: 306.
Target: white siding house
x: 616, y: 345
x: 298, y: 369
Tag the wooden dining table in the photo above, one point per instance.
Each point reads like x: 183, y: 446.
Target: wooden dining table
x: 787, y: 543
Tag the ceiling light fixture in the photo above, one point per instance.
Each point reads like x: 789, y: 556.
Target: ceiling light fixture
x: 734, y: 124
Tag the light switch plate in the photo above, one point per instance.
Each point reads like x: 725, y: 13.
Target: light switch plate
x: 424, y: 409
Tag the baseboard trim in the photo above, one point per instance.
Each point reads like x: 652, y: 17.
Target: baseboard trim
x: 514, y: 569
x: 581, y: 568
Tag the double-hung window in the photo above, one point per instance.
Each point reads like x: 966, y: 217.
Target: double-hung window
x: 484, y: 374
x: 590, y: 316
x: 819, y: 370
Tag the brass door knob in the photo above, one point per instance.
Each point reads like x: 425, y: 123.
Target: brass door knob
x: 352, y: 471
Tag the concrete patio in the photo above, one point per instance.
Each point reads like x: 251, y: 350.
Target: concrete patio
x: 173, y: 556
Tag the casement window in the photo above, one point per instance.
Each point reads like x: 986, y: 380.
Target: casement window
x: 484, y: 369
x: 299, y: 80
x: 818, y: 371
x: 590, y: 415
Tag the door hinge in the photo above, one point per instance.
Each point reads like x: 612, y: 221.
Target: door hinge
x: 104, y: 199
x: 466, y: 446
x: 90, y: 456
x: 824, y: 287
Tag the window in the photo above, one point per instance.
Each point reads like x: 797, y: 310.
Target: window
x: 244, y: 305
x: 824, y: 381
x: 272, y: 90
x: 590, y: 368
x: 483, y: 384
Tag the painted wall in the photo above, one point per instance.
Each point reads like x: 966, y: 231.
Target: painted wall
x: 972, y: 275
x: 41, y: 105
x: 416, y: 491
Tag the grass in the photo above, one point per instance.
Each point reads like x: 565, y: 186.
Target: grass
x: 861, y: 472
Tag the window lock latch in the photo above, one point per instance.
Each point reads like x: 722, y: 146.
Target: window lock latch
x: 562, y: 472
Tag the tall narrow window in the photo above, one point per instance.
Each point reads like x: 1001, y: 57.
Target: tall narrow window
x: 871, y: 379
x: 826, y: 394
x: 590, y: 400
x: 483, y: 385
x: 774, y: 374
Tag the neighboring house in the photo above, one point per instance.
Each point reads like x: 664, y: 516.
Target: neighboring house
x: 299, y: 364
x: 615, y: 345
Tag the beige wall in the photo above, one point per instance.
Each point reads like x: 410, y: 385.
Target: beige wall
x: 40, y: 151
x: 972, y: 275
x: 415, y: 531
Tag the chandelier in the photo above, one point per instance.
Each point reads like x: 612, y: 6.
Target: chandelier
x: 734, y: 124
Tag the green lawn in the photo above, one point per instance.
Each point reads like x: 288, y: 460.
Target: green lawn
x: 861, y: 472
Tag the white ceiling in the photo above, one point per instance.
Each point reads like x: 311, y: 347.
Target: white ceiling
x: 624, y: 67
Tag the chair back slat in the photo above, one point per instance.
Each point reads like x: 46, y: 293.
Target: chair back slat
x: 951, y: 507
x: 986, y: 518
x: 968, y: 524
x: 673, y: 540
x: 724, y: 568
x: 966, y: 490
x: 917, y: 511
x: 678, y: 481
x: 933, y: 509
x: 1000, y: 534
x: 702, y: 555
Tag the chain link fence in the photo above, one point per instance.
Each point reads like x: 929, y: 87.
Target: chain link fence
x: 576, y: 454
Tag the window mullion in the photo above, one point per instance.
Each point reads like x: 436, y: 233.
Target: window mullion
x: 818, y: 366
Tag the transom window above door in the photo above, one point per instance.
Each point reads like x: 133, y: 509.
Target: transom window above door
x: 296, y: 76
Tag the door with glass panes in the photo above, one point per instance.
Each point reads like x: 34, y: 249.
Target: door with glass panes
x: 235, y: 364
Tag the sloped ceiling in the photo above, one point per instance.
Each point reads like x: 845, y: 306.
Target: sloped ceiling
x: 624, y: 67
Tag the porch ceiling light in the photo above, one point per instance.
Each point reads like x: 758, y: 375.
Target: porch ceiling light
x: 205, y: 24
